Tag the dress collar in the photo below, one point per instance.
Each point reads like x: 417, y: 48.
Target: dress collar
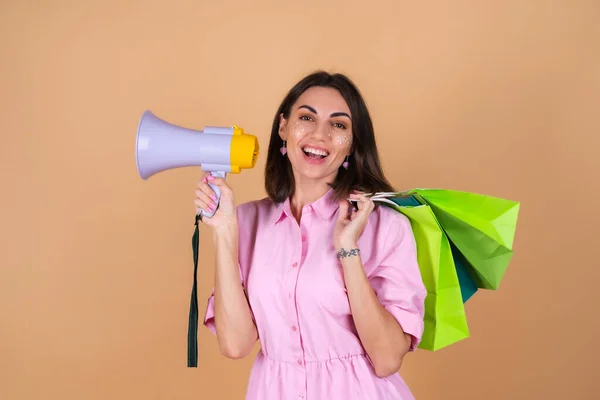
x: 324, y: 207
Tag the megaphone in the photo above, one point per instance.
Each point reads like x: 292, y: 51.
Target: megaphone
x: 161, y: 146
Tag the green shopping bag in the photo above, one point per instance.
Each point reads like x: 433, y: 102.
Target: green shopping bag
x: 445, y: 318
x: 481, y: 227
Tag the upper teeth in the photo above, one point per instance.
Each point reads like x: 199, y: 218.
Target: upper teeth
x: 315, y: 151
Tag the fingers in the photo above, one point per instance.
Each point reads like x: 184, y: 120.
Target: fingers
x: 205, y: 196
x: 217, y: 181
x: 343, y: 213
x: 364, y: 203
x: 362, y: 199
x: 220, y: 183
x: 204, y: 202
x: 206, y: 189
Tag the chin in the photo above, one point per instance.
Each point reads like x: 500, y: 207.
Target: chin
x: 313, y: 173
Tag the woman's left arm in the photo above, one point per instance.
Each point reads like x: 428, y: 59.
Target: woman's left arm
x: 388, y: 304
x: 383, y: 338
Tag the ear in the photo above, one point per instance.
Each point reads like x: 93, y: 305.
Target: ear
x: 282, y: 125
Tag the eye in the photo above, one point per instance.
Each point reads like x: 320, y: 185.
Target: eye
x: 339, y: 125
x: 305, y: 118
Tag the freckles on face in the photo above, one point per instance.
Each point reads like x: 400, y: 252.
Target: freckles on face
x: 343, y: 139
x: 300, y: 128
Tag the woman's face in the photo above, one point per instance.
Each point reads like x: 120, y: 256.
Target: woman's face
x: 318, y: 133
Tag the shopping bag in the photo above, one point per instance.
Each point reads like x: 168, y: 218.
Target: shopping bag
x: 482, y: 228
x: 445, y: 319
x: 468, y: 287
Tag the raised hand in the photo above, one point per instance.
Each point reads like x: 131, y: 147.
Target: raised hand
x: 351, y: 224
x: 206, y: 200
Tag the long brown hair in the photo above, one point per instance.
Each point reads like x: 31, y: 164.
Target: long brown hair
x: 364, y: 172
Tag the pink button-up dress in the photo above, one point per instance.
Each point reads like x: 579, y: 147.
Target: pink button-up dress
x: 310, y: 349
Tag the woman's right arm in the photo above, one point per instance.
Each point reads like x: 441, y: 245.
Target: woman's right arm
x: 234, y: 325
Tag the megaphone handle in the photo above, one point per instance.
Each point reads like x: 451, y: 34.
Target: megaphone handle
x: 217, y: 191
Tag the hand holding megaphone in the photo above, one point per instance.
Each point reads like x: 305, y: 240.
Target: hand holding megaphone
x: 208, y: 206
x: 162, y: 146
x: 213, y: 192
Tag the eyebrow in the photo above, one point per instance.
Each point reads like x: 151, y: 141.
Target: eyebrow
x: 335, y: 114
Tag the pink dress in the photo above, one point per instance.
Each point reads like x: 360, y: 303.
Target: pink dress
x: 310, y: 349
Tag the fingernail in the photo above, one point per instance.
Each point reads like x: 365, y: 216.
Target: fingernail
x: 211, y: 178
x: 212, y: 196
x: 213, y: 205
x: 204, y: 180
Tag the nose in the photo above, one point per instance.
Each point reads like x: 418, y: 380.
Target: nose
x: 321, y: 131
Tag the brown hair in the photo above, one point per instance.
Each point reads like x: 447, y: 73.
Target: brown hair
x: 364, y: 172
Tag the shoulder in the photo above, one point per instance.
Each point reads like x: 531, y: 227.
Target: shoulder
x: 389, y: 230
x: 257, y: 206
x: 255, y: 211
x: 386, y: 220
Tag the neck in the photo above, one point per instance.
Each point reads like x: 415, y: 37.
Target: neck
x: 307, y: 192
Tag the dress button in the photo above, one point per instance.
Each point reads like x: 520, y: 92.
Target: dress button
x: 304, y: 238
x: 299, y: 362
x: 294, y: 265
x: 300, y: 396
x: 294, y: 328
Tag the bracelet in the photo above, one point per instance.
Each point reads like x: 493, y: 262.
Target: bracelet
x: 343, y: 253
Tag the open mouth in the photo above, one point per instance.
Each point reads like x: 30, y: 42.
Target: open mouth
x: 314, y: 154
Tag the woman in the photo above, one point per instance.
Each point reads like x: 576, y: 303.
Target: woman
x: 332, y: 291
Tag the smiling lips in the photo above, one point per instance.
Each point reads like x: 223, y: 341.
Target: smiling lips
x: 315, y: 151
x: 314, y: 154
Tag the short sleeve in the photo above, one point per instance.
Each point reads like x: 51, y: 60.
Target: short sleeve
x: 397, y: 279
x: 209, y: 315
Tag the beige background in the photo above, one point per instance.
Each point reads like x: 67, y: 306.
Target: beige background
x: 493, y: 97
